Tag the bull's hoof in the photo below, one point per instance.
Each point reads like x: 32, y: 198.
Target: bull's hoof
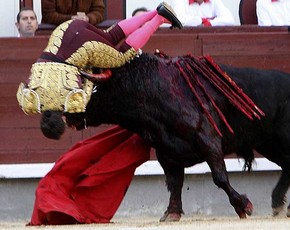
x: 170, y: 217
x: 276, y: 211
x: 248, y: 210
x: 242, y: 215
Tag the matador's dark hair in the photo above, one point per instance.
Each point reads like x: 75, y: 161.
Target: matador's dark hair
x: 52, y: 124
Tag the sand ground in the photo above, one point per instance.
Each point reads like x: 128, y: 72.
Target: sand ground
x: 152, y: 223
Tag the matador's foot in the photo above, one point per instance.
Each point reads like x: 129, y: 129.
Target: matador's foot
x: 167, y: 12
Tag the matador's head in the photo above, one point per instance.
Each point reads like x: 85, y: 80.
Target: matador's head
x: 54, y: 89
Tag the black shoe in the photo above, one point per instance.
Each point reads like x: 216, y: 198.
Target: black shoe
x: 167, y: 12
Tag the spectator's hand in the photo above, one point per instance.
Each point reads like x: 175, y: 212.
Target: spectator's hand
x: 81, y: 16
x: 206, y: 22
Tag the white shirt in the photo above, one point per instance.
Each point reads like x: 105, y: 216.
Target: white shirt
x: 273, y: 13
x: 192, y: 14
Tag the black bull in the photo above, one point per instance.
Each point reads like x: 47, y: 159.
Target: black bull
x: 150, y: 97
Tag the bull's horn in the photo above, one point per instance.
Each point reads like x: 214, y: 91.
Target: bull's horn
x: 105, y: 75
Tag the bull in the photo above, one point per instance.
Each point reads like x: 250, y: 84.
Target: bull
x: 151, y: 97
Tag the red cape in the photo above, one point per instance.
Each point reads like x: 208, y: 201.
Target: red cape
x: 88, y: 183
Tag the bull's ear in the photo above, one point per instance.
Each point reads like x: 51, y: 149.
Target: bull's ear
x: 105, y: 75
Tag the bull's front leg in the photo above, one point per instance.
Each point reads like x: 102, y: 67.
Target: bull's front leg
x: 174, y: 181
x: 241, y: 204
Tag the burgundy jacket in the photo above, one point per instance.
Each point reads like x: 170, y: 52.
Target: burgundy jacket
x: 58, y: 11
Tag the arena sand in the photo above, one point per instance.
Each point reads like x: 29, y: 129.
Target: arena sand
x: 196, y: 223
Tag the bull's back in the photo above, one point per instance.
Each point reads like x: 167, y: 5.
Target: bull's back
x: 269, y: 90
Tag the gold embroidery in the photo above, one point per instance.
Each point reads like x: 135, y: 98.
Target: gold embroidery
x: 79, y: 58
x: 54, y: 86
x: 55, y: 39
x: 100, y: 55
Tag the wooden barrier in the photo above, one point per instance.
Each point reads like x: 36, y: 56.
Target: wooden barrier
x: 241, y: 46
x: 21, y: 138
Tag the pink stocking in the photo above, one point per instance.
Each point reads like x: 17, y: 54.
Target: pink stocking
x: 140, y: 37
x: 130, y: 25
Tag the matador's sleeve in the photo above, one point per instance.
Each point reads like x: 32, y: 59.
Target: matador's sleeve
x: 100, y: 55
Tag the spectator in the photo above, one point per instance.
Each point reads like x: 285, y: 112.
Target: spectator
x: 202, y: 12
x: 26, y: 22
x: 58, y: 11
x: 273, y: 12
x: 139, y: 11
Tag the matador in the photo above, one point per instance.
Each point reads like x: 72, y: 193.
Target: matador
x: 74, y: 48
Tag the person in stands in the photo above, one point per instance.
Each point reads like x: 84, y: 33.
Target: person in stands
x: 273, y: 12
x: 26, y: 22
x: 202, y: 12
x: 140, y: 10
x: 56, y: 12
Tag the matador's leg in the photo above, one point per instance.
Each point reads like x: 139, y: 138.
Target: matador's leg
x: 141, y: 36
x: 164, y: 12
x: 118, y: 32
x: 130, y: 25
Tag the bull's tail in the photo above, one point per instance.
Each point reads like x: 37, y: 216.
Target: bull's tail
x: 194, y: 69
